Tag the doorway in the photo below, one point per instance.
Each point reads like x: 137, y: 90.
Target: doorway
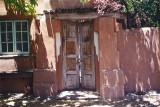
x: 78, y: 55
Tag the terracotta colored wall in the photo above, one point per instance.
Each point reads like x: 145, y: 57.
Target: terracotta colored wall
x: 11, y: 78
x: 19, y: 63
x: 139, y: 58
x: 108, y: 44
x: 2, y: 8
x: 111, y: 79
x: 54, y: 4
x: 46, y: 58
x: 48, y: 5
x: 40, y: 7
x: 45, y: 45
x: 15, y: 82
x: 44, y: 83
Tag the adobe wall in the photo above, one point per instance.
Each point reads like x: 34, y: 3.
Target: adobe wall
x: 111, y: 78
x: 9, y: 64
x: 63, y: 4
x: 49, y: 5
x: 18, y: 63
x: 16, y: 71
x: 2, y: 8
x: 15, y: 82
x: 46, y: 78
x: 139, y: 58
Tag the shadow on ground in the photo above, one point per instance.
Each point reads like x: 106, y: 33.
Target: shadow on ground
x: 19, y: 100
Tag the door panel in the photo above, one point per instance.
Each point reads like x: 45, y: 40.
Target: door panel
x: 71, y: 71
x: 87, y: 53
x: 78, y: 55
x: 71, y: 81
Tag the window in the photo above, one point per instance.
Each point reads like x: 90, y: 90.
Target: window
x: 14, y: 37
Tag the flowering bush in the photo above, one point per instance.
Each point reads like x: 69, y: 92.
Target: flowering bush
x: 107, y: 5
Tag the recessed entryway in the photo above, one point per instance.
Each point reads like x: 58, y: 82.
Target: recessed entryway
x: 78, y: 55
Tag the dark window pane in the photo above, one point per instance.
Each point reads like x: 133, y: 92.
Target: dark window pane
x: 9, y: 26
x: 18, y: 36
x: 24, y: 26
x: 19, y: 47
x: 25, y: 47
x: 10, y: 47
x: 18, y: 26
x: 3, y: 26
x: 4, y: 47
x: 3, y: 37
x: 9, y: 37
x: 25, y: 36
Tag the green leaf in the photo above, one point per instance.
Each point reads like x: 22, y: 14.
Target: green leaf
x: 85, y: 1
x: 24, y: 7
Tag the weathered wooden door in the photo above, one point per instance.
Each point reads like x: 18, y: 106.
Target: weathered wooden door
x: 78, y: 60
x: 87, y: 56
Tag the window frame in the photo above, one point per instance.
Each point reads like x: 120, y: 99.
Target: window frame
x: 14, y: 31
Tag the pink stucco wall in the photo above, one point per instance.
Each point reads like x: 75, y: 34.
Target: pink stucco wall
x: 16, y: 71
x: 111, y: 78
x: 19, y: 63
x: 135, y: 52
x: 61, y: 4
x: 47, y: 75
x: 9, y: 63
x: 15, y: 82
x: 139, y: 58
x: 129, y: 60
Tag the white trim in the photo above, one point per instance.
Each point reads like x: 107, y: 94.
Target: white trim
x: 96, y: 43
x: 12, y: 56
x: 58, y: 44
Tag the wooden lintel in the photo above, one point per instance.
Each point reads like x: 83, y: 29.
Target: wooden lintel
x: 78, y: 16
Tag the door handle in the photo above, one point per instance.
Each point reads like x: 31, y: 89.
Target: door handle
x: 78, y: 61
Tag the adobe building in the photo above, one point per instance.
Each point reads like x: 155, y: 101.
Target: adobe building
x: 71, y: 46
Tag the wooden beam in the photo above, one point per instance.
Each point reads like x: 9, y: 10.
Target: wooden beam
x: 80, y: 16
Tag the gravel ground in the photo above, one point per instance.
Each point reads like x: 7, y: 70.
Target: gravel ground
x: 149, y: 99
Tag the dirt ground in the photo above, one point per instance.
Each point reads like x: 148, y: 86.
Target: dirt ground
x: 151, y: 99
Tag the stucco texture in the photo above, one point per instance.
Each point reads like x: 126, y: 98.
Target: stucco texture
x: 16, y: 70
x: 2, y: 8
x: 47, y: 75
x: 64, y: 4
x: 8, y: 65
x: 139, y: 58
x: 111, y: 78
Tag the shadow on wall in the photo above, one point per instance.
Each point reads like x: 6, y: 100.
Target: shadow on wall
x: 41, y: 54
x: 113, y: 84
x: 140, y: 58
x: 24, y: 63
x: 45, y: 44
x: 44, y: 75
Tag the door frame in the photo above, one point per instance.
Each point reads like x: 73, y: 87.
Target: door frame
x: 78, y: 23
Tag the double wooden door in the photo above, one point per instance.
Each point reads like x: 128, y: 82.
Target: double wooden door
x: 78, y: 55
